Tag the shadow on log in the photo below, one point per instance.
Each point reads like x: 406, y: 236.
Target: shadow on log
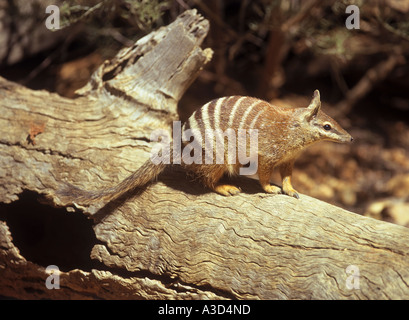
x: 175, y: 240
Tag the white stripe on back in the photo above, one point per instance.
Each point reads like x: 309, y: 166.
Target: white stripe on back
x: 234, y: 110
x: 196, y: 130
x: 217, y: 112
x: 205, y: 116
x: 253, y: 122
x: 246, y: 113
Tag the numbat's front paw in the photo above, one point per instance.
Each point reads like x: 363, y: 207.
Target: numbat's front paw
x: 292, y: 193
x: 227, y: 190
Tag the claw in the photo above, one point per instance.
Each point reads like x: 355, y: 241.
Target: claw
x: 292, y: 193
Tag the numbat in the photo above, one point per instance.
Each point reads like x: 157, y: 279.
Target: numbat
x: 281, y: 135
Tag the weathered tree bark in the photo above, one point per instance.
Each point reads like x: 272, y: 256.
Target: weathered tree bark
x: 174, y: 239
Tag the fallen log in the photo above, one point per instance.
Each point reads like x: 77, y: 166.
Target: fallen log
x: 174, y: 239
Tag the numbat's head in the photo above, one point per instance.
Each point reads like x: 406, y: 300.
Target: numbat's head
x: 315, y: 125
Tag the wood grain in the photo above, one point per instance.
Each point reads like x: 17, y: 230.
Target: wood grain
x: 174, y: 239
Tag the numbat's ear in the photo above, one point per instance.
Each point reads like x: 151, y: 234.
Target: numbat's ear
x: 315, y: 105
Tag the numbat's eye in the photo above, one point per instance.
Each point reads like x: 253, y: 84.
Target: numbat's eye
x: 327, y: 127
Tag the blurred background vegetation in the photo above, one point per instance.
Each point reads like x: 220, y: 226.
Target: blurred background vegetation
x: 277, y: 50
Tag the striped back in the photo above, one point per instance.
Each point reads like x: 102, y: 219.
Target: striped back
x: 226, y: 131
x: 236, y: 112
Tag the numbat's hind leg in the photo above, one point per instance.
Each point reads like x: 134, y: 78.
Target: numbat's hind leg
x: 210, y: 176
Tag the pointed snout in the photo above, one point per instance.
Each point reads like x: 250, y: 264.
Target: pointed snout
x: 341, y: 137
x: 347, y: 138
x: 344, y: 136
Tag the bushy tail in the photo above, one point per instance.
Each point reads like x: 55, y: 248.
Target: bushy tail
x: 139, y: 178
